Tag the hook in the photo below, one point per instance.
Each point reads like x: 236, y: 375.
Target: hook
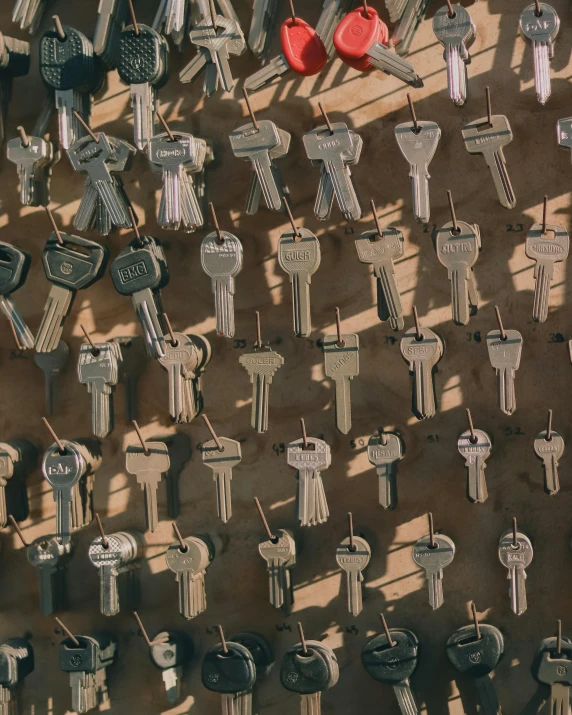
x: 558, y: 637
x: 293, y: 13
x: 416, y: 128
x: 503, y: 335
x: 476, y: 621
x: 222, y: 639
x: 451, y: 12
x: 18, y: 530
x: 23, y: 137
x: 149, y: 642
x: 418, y: 335
x: 538, y: 13
x: 382, y: 436
x: 544, y: 213
x: 67, y: 631
x: 183, y: 547
x: 432, y: 543
x: 250, y: 110
x: 174, y: 341
x: 376, y: 219
x: 341, y: 343
x: 95, y: 351
x: 213, y: 434
x: 54, y: 226
x: 352, y: 547
x: 297, y: 233
x: 213, y: 20
x: 59, y: 28
x: 104, y: 540
x: 258, y: 343
x: 456, y: 229
x: 86, y: 126
x: 271, y: 536
x: 514, y: 533
x: 326, y: 118
x: 166, y: 126
x: 146, y: 450
x: 133, y: 18
x: 219, y: 236
x: 489, y: 111
x: 302, y: 639
x: 55, y: 436
x: 304, y: 436
x: 390, y: 640
x: 474, y: 438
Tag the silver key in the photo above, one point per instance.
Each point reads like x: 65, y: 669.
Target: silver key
x: 190, y: 568
x: 456, y: 33
x: 63, y: 473
x: 422, y: 357
x: 333, y: 12
x: 50, y: 558
x: 29, y: 161
x: 516, y: 558
x: 98, y: 368
x: 222, y: 461
x: 433, y: 560
x: 482, y: 138
x: 299, y: 257
x: 179, y: 360
x: 392, y: 64
x: 264, y: 14
x: 419, y: 147
x: 354, y: 562
x: 505, y: 359
x: 549, y: 451
x: 222, y: 261
x: 475, y: 452
x: 341, y: 364
x: 280, y: 556
x: 149, y: 468
x: 116, y: 561
x: 541, y: 30
x: 310, y: 462
x: 545, y: 249
x: 52, y: 364
x: 384, y: 451
x: 261, y: 363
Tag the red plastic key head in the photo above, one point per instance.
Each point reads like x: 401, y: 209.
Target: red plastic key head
x: 363, y: 64
x: 302, y: 47
x: 356, y: 33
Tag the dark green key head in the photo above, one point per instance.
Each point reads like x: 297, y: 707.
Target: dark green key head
x: 14, y: 267
x: 141, y: 57
x: 75, y: 264
x: 391, y: 664
x: 260, y: 650
x: 306, y: 674
x: 79, y: 658
x: 476, y: 658
x: 134, y: 270
x: 549, y: 666
x: 16, y: 661
x: 64, y: 64
x: 176, y: 649
x: 231, y: 672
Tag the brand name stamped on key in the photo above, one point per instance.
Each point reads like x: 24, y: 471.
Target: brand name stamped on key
x: 383, y: 453
x: 465, y: 247
x: 342, y: 361
x: 546, y: 248
x: 548, y: 448
x: 133, y: 272
x: 329, y: 144
x: 418, y: 349
x: 297, y: 255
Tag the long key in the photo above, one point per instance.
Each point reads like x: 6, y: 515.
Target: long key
x: 545, y: 249
x: 179, y: 358
x: 222, y: 461
x: 549, y: 451
x: 505, y: 359
x: 280, y: 555
x: 341, y: 364
x: 433, y: 559
x: 221, y: 260
x: 310, y: 458
x: 261, y: 363
x: 384, y: 451
x: 541, y: 30
x: 456, y: 33
x: 190, y: 567
x: 354, y: 562
x: 475, y: 451
x: 515, y: 553
x: 148, y: 466
x: 422, y: 357
x: 113, y: 561
x: 63, y: 472
x: 50, y: 557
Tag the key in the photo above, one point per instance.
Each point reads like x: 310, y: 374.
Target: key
x: 552, y: 667
x: 98, y: 368
x: 14, y: 266
x: 549, y: 451
x: 180, y: 359
x: 299, y: 257
x: 545, y: 249
x: 475, y: 452
x: 384, y: 451
x: 261, y: 363
x: 190, y: 567
x: 393, y: 664
x: 354, y: 562
x: 117, y: 563
x: 482, y: 138
x: 148, y: 467
x: 63, y: 473
x: 381, y: 251
x: 422, y: 356
x: 456, y: 33
x: 30, y: 160
x: 179, y: 445
x: 505, y: 359
x: 50, y: 559
x: 132, y: 366
x: 221, y: 260
x: 433, y: 559
x: 341, y: 364
x: 458, y: 252
x: 564, y: 133
x: 111, y: 15
x: 309, y: 462
x: 264, y: 13
x: 541, y: 30
x: 280, y: 556
x: 418, y: 146
x: 333, y: 11
x: 229, y: 673
x: 16, y: 663
x: 309, y: 670
x: 171, y: 651
x: 52, y: 365
x: 222, y: 461
x: 68, y: 269
x: 18, y: 459
x: 263, y: 656
x: 516, y: 559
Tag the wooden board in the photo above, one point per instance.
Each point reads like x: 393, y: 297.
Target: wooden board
x: 431, y: 476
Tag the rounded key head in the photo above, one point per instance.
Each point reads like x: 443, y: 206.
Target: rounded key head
x: 356, y: 33
x: 140, y: 57
x: 183, y: 353
x: 63, y: 63
x: 436, y: 557
x: 475, y: 658
x: 122, y: 548
x: 306, y: 674
x: 299, y: 253
x: 16, y: 661
x: 428, y: 349
x: 222, y: 258
x: 505, y: 353
x: 61, y: 469
x: 539, y: 28
x: 457, y: 248
x: 356, y: 560
x: 552, y: 245
x: 176, y: 649
x: 480, y: 447
x: 453, y: 30
x: 302, y: 47
x: 385, y: 448
x: 48, y: 551
x: 283, y: 548
x: 14, y: 267
x: 550, y: 667
x: 546, y: 448
x: 373, y: 248
x: 232, y: 672
x: 391, y: 664
x: 196, y: 558
x: 260, y: 650
x: 511, y: 555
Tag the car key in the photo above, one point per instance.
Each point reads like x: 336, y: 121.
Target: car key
x: 553, y: 667
x: 16, y: 663
x: 505, y: 350
x: 549, y: 448
x: 475, y: 446
x: 148, y: 464
x: 433, y: 553
x: 515, y: 554
x: 116, y: 557
x: 309, y: 669
x: 230, y: 670
x: 353, y: 556
x: 50, y: 558
x: 456, y: 32
x: 52, y: 365
x: 14, y: 266
x: 422, y: 349
x: 541, y: 30
x: 263, y: 656
x: 341, y: 364
x: 171, y: 651
x: 545, y: 245
x: 222, y: 456
x: 190, y: 566
x: 384, y: 451
x: 279, y: 552
x: 309, y: 457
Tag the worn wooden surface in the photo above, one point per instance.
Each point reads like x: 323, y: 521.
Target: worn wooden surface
x: 431, y: 476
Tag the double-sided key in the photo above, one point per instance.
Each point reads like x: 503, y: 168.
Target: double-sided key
x: 72, y: 265
x: 181, y: 360
x: 433, y: 558
x: 63, y: 473
x: 264, y: 13
x: 504, y: 354
x: 149, y: 466
x: 222, y: 459
x: 299, y: 257
x: 515, y: 554
x: 475, y: 450
x: 309, y: 669
x: 34, y: 162
x: 384, y: 451
x: 50, y: 559
x: 480, y: 137
x: 279, y: 553
x: 333, y: 11
x: 261, y: 363
x: 545, y: 249
x: 456, y: 32
x: 190, y: 566
x: 14, y: 266
x: 354, y: 561
x: 115, y: 557
x: 541, y: 30
x: 98, y: 369
x: 380, y: 251
x: 310, y: 457
x: 341, y: 364
x: 549, y: 449
x: 418, y: 143
x: 553, y: 667
x: 422, y: 352
x: 16, y: 663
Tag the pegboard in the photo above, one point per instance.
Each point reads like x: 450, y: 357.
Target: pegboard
x: 432, y: 474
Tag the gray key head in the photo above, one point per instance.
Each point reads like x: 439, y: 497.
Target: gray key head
x: 373, y: 248
x: 511, y: 555
x: 195, y: 559
x: 550, y: 246
x: 479, y: 137
x: 504, y: 353
x: 247, y: 141
x: 418, y: 147
x: 86, y: 153
x: 166, y: 153
x: 102, y: 367
x: 183, y: 353
x: 62, y: 470
x: 54, y: 361
x: 564, y: 133
x: 122, y: 548
x: 283, y: 549
x: 48, y: 551
x: 230, y: 455
x: 433, y: 559
x: 341, y: 360
x: 384, y: 449
x: 321, y: 145
x: 429, y: 349
x: 470, y: 450
x: 549, y: 448
x: 36, y: 153
x: 317, y: 458
x: 356, y: 560
x: 229, y: 35
x: 457, y: 248
x: 222, y: 258
x: 456, y: 29
x: 155, y: 460
x: 299, y: 254
x: 543, y: 28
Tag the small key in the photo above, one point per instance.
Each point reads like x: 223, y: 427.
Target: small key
x: 263, y: 656
x: 222, y: 461
x: 516, y: 559
x: 505, y: 359
x: 433, y: 559
x: 171, y: 651
x: 549, y: 451
x: 309, y: 670
x: 541, y: 30
x: 149, y: 467
x: 341, y: 364
x: 476, y: 452
x: 354, y: 562
x: 384, y: 451
x: 190, y: 568
x: 418, y: 143
x: 280, y: 556
x: 553, y: 667
x: 456, y: 33
x: 63, y: 473
x: 310, y: 458
x: 115, y: 562
x: 422, y: 356
x: 480, y: 137
x: 261, y: 363
x: 545, y: 249
x: 98, y: 368
x: 180, y: 360
x: 50, y: 559
x: 16, y: 663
